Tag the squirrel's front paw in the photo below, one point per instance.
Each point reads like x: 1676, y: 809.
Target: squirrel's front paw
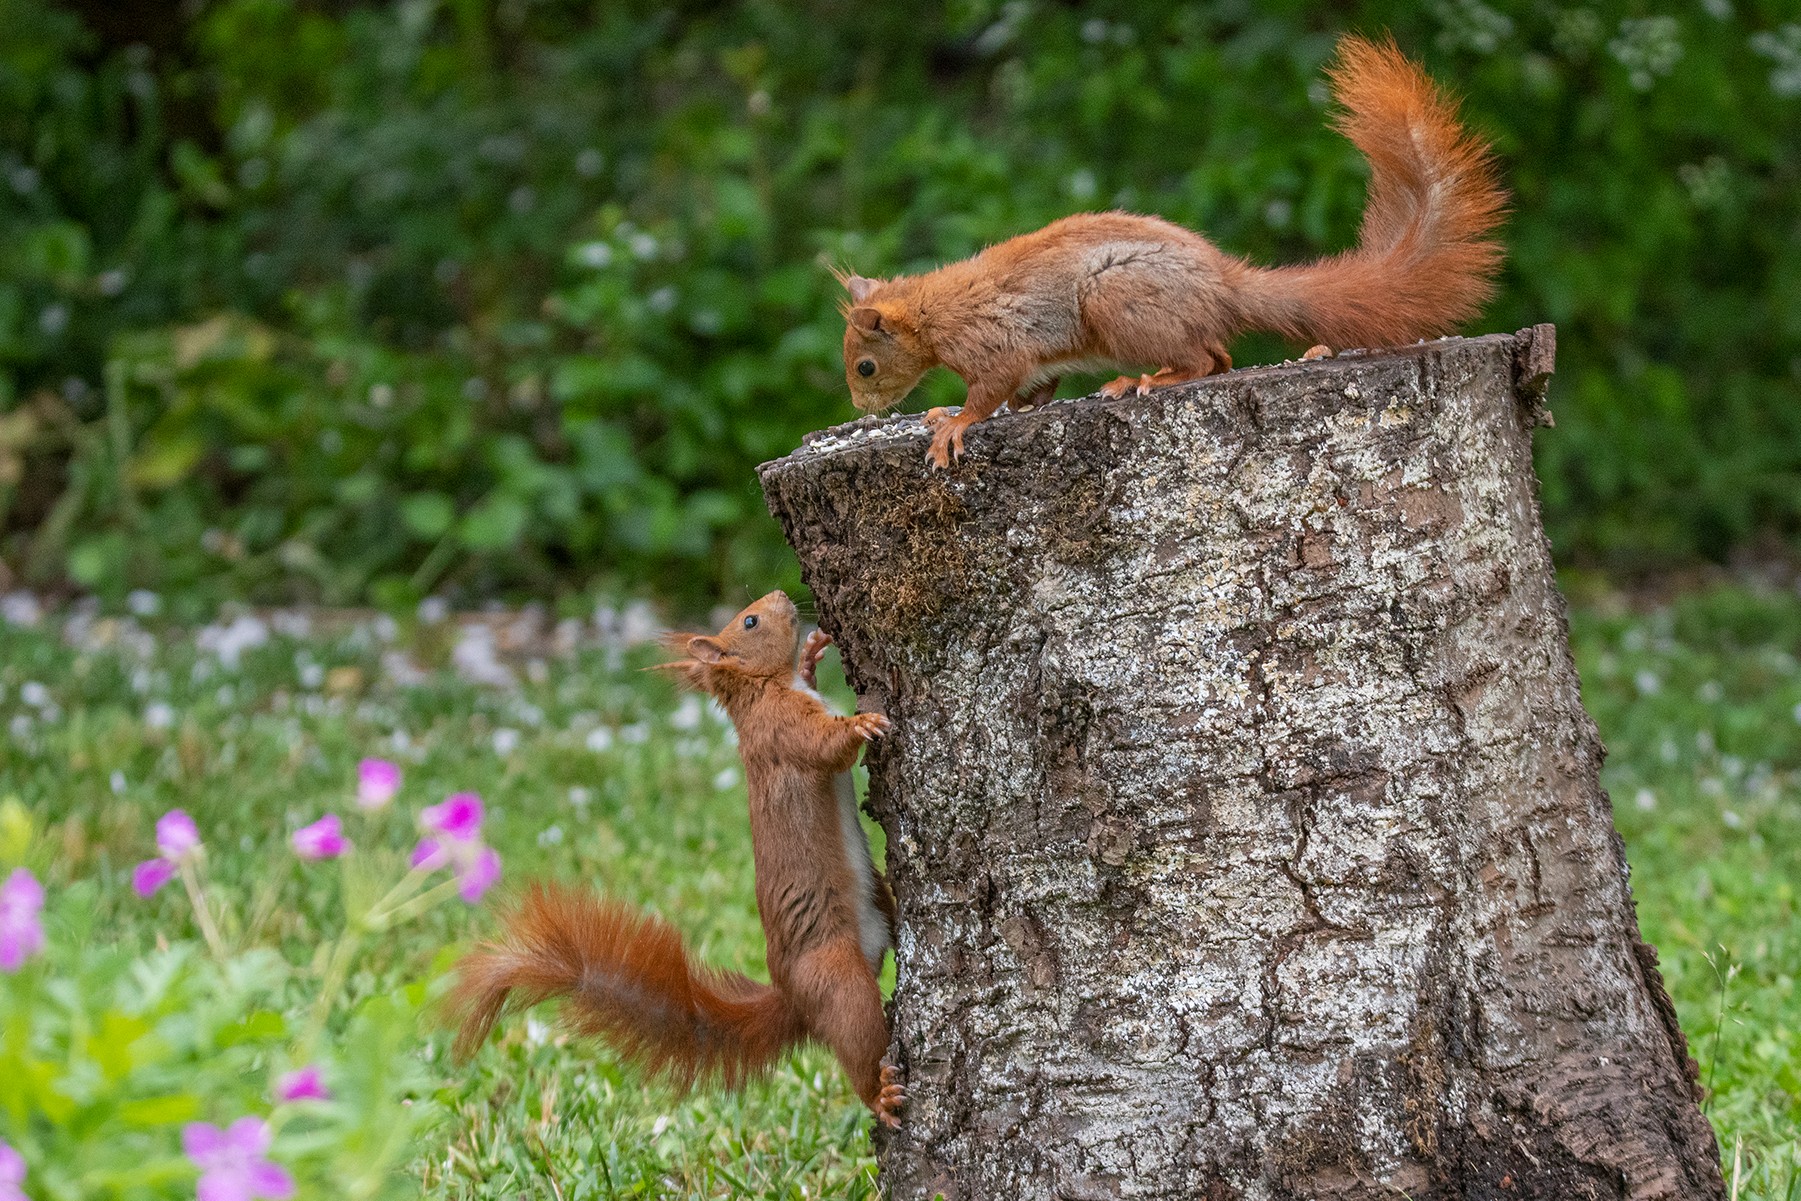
x: 810, y: 655
x: 870, y: 726
x: 947, y: 435
x: 947, y: 444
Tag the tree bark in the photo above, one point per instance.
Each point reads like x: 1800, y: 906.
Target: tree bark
x: 1243, y: 814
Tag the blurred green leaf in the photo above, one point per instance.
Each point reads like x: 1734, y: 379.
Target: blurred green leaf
x: 494, y: 523
x: 150, y: 1112
x: 97, y: 560
x: 427, y: 514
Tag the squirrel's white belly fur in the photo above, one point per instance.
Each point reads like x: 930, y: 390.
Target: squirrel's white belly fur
x: 873, y: 934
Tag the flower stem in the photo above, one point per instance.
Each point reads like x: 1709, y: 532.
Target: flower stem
x: 336, y: 969
x: 379, y: 919
x: 406, y: 885
x: 202, y: 913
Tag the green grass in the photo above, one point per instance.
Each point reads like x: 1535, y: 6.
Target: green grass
x: 656, y: 815
x: 1700, y: 704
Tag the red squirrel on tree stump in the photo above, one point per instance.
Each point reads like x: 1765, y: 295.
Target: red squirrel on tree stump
x: 1117, y: 288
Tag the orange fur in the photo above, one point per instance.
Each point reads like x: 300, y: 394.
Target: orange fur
x: 1425, y: 260
x: 630, y: 983
x: 827, y: 916
x: 1120, y: 288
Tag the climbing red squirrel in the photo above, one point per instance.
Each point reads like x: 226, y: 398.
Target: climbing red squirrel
x: 1099, y: 288
x: 828, y: 915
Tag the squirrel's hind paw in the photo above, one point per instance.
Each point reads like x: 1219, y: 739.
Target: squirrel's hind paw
x: 1138, y: 385
x: 892, y: 1099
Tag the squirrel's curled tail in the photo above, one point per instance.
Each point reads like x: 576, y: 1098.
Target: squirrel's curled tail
x: 1425, y: 260
x: 629, y: 981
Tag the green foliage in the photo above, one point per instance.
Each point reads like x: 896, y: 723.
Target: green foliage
x: 349, y: 302
x: 109, y: 1053
x: 592, y: 770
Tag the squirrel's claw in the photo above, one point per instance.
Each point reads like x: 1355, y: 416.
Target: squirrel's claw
x: 871, y: 726
x: 810, y: 655
x: 1136, y: 385
x: 947, y: 436
x: 947, y: 446
x: 892, y: 1099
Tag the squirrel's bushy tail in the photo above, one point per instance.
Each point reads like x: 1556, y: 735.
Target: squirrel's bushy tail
x: 628, y: 980
x: 1425, y: 258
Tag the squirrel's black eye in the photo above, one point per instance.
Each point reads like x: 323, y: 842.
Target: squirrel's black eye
x: 750, y: 623
x: 866, y: 368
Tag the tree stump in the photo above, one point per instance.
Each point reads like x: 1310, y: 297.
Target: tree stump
x: 1242, y: 810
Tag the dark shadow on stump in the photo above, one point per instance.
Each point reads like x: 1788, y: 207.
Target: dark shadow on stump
x: 1244, y: 817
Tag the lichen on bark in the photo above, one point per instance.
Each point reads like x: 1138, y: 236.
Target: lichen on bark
x: 1243, y: 814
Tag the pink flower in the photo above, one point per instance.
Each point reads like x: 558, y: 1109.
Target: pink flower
x: 12, y: 1173
x: 21, y: 930
x: 478, y: 875
x: 453, y: 839
x: 459, y: 818
x: 477, y: 866
x: 303, y: 1084
x: 234, y: 1163
x: 176, y: 835
x: 177, y: 839
x: 324, y: 839
x: 377, y: 781
x: 151, y: 875
x: 429, y: 855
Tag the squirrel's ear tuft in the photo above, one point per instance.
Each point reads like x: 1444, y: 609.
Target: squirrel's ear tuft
x: 705, y: 649
x: 866, y: 319
x: 860, y: 289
